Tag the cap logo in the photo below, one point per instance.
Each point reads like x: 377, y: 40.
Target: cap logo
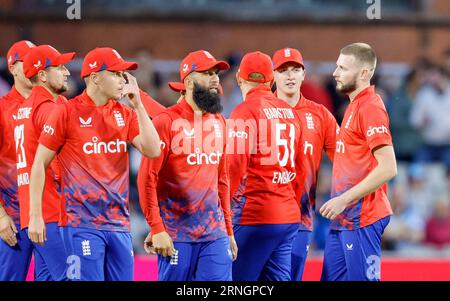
x: 208, y: 55
x: 117, y: 54
x: 38, y: 64
x: 185, y: 68
x: 93, y: 65
x: 287, y: 52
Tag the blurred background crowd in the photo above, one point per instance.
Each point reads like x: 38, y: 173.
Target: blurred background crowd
x: 412, y: 39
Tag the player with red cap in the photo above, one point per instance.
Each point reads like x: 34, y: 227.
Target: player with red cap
x: 318, y: 134
x: 364, y: 162
x: 184, y: 193
x: 90, y: 133
x: 15, y: 247
x: 44, y: 66
x: 264, y: 138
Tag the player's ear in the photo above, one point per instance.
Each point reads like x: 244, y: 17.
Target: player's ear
x: 94, y: 78
x: 42, y: 76
x: 238, y: 79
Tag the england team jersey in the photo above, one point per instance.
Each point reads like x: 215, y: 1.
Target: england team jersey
x: 31, y: 118
x: 91, y: 142
x: 185, y: 191
x: 364, y: 128
x: 264, y: 136
x: 8, y: 174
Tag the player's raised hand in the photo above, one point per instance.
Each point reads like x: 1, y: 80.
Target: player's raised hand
x: 333, y: 208
x: 163, y: 244
x: 8, y: 230
x: 234, y: 247
x: 131, y: 90
x: 36, y: 230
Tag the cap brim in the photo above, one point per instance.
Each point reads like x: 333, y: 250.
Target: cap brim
x: 124, y: 66
x: 177, y: 87
x: 64, y: 58
x: 222, y: 65
x: 281, y: 63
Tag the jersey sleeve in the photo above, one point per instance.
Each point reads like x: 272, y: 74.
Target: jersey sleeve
x: 42, y: 113
x: 148, y: 176
x: 242, y: 131
x: 374, y: 125
x: 330, y: 131
x: 53, y: 128
x: 133, y: 129
x: 152, y: 107
x: 224, y: 188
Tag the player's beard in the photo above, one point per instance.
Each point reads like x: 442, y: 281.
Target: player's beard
x: 59, y: 89
x: 206, y: 100
x: 349, y: 87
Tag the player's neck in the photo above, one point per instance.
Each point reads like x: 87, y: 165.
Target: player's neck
x: 22, y: 89
x: 353, y: 94
x: 96, y: 96
x: 53, y: 93
x: 191, y: 102
x: 290, y: 99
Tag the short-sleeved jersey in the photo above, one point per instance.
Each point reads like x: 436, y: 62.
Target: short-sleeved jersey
x: 264, y: 136
x: 364, y: 128
x: 31, y: 119
x: 9, y: 104
x: 185, y: 191
x: 91, y: 142
x: 318, y: 133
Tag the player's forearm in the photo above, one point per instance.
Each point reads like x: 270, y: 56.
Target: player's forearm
x: 149, y: 138
x: 37, y: 183
x: 377, y: 177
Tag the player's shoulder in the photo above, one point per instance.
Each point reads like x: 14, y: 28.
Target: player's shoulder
x: 371, y: 103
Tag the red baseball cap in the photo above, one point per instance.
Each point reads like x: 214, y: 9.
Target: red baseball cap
x: 179, y: 87
x: 287, y: 55
x: 200, y: 60
x: 18, y: 51
x: 105, y: 58
x: 256, y: 62
x: 43, y: 56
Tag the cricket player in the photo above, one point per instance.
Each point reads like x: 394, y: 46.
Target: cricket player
x: 44, y: 66
x: 318, y: 135
x: 90, y: 133
x: 264, y: 136
x: 364, y: 162
x: 184, y: 193
x: 15, y: 247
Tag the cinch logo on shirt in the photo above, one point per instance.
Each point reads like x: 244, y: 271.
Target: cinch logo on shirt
x: 376, y: 130
x: 237, y: 134
x: 199, y: 158
x: 48, y: 129
x: 96, y: 147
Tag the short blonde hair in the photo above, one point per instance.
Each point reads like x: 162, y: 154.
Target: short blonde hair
x: 362, y: 52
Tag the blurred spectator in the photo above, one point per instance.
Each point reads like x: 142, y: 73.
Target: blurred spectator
x: 406, y: 227
x: 145, y: 74
x: 232, y: 95
x: 405, y: 137
x: 340, y: 101
x: 430, y: 116
x: 312, y: 89
x: 437, y: 230
x: 4, y: 87
x: 418, y: 194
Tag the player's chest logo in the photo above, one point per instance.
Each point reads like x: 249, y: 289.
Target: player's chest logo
x: 309, y: 121
x: 119, y: 118
x: 84, y: 123
x: 349, y: 120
